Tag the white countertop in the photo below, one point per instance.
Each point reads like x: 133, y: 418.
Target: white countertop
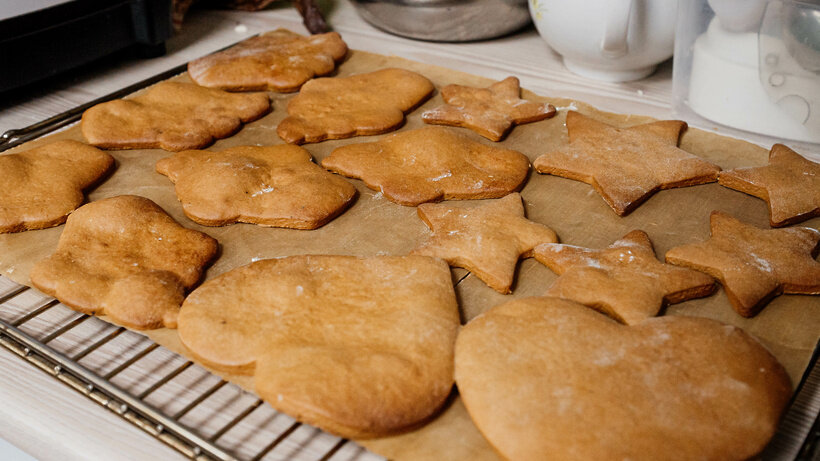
x: 50, y: 421
x: 10, y: 452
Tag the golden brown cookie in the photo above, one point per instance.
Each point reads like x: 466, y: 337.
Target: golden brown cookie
x: 171, y: 115
x: 124, y: 257
x: 626, y: 165
x: 361, y: 347
x: 343, y: 107
x: 272, y: 186
x: 41, y: 186
x: 624, y: 280
x: 431, y: 164
x: 486, y: 239
x: 754, y: 265
x: 546, y: 378
x: 277, y: 61
x: 490, y: 112
x: 790, y: 185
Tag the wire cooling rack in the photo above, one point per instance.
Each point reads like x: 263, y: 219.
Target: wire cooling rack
x: 168, y: 396
x: 164, y: 394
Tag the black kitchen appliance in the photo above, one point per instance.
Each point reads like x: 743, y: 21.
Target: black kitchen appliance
x: 42, y: 38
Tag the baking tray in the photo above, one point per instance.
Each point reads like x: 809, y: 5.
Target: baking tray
x: 791, y: 441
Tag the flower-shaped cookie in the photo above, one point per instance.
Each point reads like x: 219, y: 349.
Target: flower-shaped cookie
x: 343, y: 107
x: 361, y: 347
x: 754, y: 265
x: 790, y: 185
x: 626, y: 165
x: 278, y: 61
x: 490, y: 112
x: 487, y: 239
x: 624, y: 280
x: 41, y: 186
x: 124, y: 257
x: 431, y: 164
x: 171, y: 115
x: 272, y: 186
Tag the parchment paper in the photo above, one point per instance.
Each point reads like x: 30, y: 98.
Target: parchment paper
x: 789, y: 325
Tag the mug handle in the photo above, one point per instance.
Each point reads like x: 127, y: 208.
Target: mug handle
x: 614, y: 43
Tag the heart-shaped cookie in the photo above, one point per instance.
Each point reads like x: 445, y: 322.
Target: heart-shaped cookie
x: 361, y: 347
x: 545, y: 378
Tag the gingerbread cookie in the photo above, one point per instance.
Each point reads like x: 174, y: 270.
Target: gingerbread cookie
x: 124, y: 257
x: 490, y: 112
x: 343, y: 107
x: 790, y: 185
x: 486, y: 239
x: 360, y: 347
x: 277, y: 61
x: 546, y: 378
x: 626, y: 165
x: 754, y: 265
x: 431, y: 164
x: 624, y: 280
x: 171, y: 115
x: 41, y: 186
x: 272, y: 186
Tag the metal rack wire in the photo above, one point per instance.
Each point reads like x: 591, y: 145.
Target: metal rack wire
x: 157, y: 390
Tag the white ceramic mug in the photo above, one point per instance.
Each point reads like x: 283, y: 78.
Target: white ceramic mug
x: 611, y: 40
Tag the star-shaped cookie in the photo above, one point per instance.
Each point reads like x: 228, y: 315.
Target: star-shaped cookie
x: 359, y: 105
x: 431, y: 164
x: 487, y: 239
x: 754, y: 265
x: 624, y: 280
x: 626, y: 165
x: 790, y: 185
x: 270, y: 185
x: 279, y: 60
x: 490, y: 112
